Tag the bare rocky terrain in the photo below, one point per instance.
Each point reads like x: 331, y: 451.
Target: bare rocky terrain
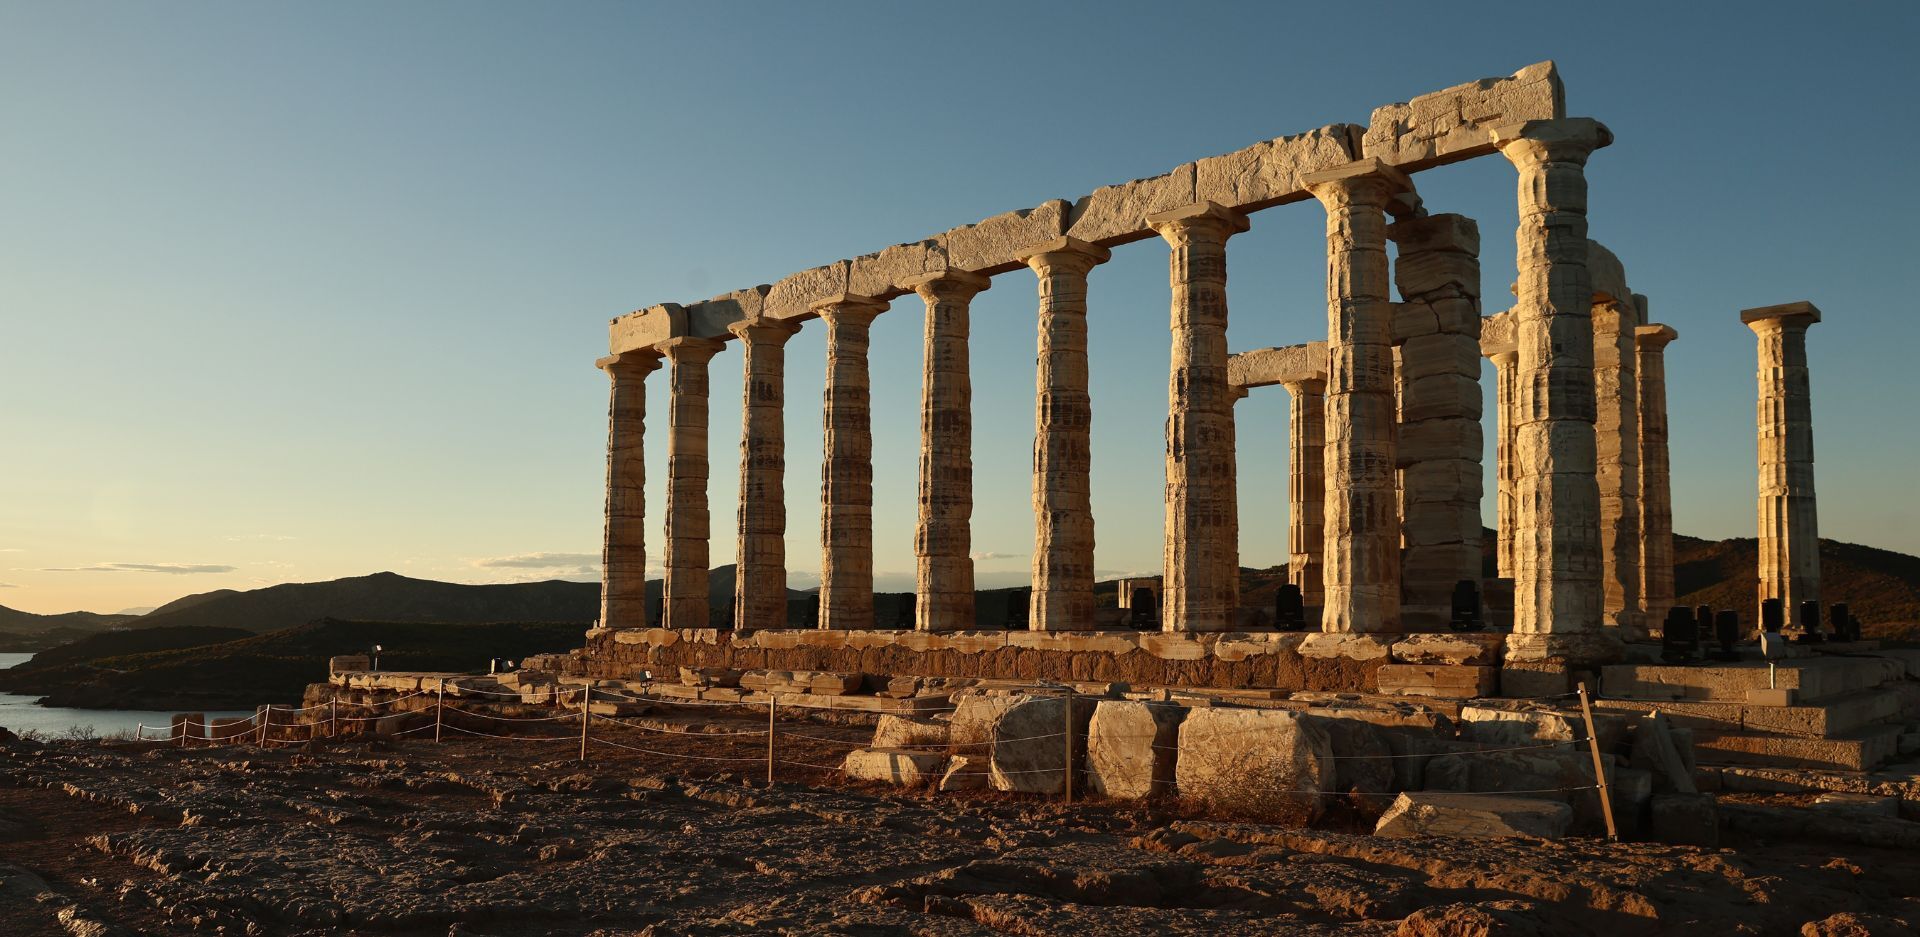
x: 490, y: 837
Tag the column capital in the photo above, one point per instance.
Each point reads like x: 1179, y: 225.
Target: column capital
x: 765, y: 331
x: 948, y: 285
x: 849, y: 308
x: 1306, y: 386
x: 1569, y: 139
x: 689, y: 349
x: 1206, y: 219
x: 639, y: 362
x: 1653, y: 337
x: 1236, y: 393
x: 1785, y: 315
x: 1366, y: 180
x: 1067, y: 254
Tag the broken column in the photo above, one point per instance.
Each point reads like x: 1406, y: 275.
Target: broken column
x: 1789, y: 527
x: 1201, y: 560
x: 760, y: 567
x: 1557, y: 530
x: 1062, y: 597
x: 623, y: 554
x: 846, y: 470
x: 688, y: 523
x: 1439, y: 442
x: 1306, y: 490
x: 1362, y: 523
x: 943, y: 541
x: 1656, y: 491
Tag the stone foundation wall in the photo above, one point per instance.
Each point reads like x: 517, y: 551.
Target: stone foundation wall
x: 1271, y: 660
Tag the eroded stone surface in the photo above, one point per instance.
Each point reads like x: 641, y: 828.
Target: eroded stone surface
x: 1474, y: 816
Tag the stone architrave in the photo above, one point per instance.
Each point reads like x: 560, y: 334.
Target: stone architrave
x: 846, y: 470
x: 943, y: 540
x: 1656, y: 488
x: 1362, y: 523
x: 1306, y: 490
x: 1201, y: 562
x: 1506, y: 372
x: 1439, y: 443
x: 1557, y: 527
x: 1063, y: 576
x: 1789, y: 524
x: 760, y: 565
x: 1616, y: 430
x: 623, y: 554
x: 689, y: 524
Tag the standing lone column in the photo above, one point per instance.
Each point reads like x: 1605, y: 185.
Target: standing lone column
x: 1656, y: 491
x: 846, y: 471
x: 1306, y: 489
x: 1201, y: 561
x: 1557, y: 531
x: 1506, y: 373
x: 760, y: 565
x: 1616, y: 431
x: 688, y: 523
x: 1789, y: 526
x: 1362, y: 517
x: 623, y: 550
x: 1062, y: 597
x: 943, y: 539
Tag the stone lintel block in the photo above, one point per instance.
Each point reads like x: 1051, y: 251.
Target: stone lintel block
x: 1288, y: 364
x: 1800, y: 313
x: 884, y: 274
x: 1450, y: 125
x: 642, y: 328
x: 1269, y: 173
x: 1176, y: 645
x: 1497, y: 334
x: 1609, y: 276
x: 714, y: 318
x: 1448, y: 232
x: 988, y: 246
x: 1114, y: 214
x: 1654, y: 336
x: 796, y: 295
x: 1452, y: 648
x: 1365, y: 168
x: 1348, y: 646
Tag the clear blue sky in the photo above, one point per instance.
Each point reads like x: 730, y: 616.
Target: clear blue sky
x: 297, y: 291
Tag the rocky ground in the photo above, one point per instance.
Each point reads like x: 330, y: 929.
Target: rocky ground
x: 485, y: 836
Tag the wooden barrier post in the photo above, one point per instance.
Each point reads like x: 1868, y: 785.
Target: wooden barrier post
x: 586, y: 712
x: 1599, y: 764
x: 772, y: 696
x: 333, y: 718
x: 266, y: 716
x: 1069, y: 737
x: 439, y: 708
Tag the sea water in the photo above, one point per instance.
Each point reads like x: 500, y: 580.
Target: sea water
x: 21, y: 715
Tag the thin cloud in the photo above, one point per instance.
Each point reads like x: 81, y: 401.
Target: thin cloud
x: 176, y: 569
x: 987, y: 555
x: 273, y: 537
x: 8, y: 585
x: 539, y: 561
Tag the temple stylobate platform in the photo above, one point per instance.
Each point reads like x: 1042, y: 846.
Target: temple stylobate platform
x: 1385, y: 435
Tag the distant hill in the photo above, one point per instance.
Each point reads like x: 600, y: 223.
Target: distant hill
x: 265, y: 668
x: 379, y: 597
x: 1880, y: 587
x: 14, y: 621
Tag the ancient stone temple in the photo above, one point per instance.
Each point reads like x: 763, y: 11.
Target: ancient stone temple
x: 1386, y: 426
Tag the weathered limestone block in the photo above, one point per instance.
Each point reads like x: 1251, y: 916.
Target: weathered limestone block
x: 1789, y: 522
x: 1262, y: 367
x: 1130, y: 748
x: 714, y: 318
x: 1029, y: 744
x: 905, y: 768
x: 990, y: 246
x: 1447, y: 681
x: 1656, y: 749
x: 1450, y: 125
x: 1258, y: 762
x: 886, y: 274
x: 1363, y: 761
x: 1474, y: 816
x: 623, y: 583
x: 1557, y: 774
x: 905, y: 732
x: 1112, y: 214
x: 964, y: 773
x: 796, y: 295
x: 344, y: 663
x: 1496, y: 726
x: 942, y: 543
x: 975, y: 715
x: 1467, y: 648
x: 1269, y: 173
x: 709, y: 677
x: 1686, y: 819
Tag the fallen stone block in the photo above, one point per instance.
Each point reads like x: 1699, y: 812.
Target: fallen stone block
x: 907, y: 768
x: 1656, y: 749
x: 1522, y: 726
x: 1130, y: 748
x: 974, y: 715
x: 1448, y: 681
x: 1260, y: 763
x: 1362, y: 758
x: 1859, y: 806
x: 964, y: 773
x: 903, y: 732
x: 709, y: 677
x: 1474, y: 816
x: 1685, y: 819
x: 1477, y: 649
x: 1029, y: 744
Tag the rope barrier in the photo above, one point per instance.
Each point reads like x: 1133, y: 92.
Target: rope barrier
x: 568, y: 716
x: 510, y: 738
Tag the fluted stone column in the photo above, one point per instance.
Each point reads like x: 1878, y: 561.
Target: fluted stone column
x: 1439, y: 445
x: 943, y: 540
x: 1656, y: 490
x: 846, y: 470
x: 1062, y: 598
x: 1306, y: 489
x: 1362, y: 511
x: 688, y: 523
x: 1506, y: 371
x: 1789, y: 525
x: 1557, y: 533
x: 1616, y: 429
x: 1201, y: 560
x: 760, y: 564
x: 623, y: 552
